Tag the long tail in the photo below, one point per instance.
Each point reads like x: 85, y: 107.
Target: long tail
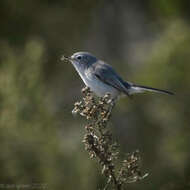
x: 140, y: 89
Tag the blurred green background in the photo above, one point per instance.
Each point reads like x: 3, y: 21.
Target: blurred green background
x: 146, y: 41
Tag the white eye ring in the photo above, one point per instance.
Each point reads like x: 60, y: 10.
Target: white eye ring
x: 79, y: 57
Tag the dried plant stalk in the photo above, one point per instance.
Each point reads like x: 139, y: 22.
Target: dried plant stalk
x: 99, y: 142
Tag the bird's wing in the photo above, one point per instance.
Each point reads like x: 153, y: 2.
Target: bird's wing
x: 106, y: 74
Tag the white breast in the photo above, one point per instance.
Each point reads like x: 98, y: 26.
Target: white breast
x: 97, y: 86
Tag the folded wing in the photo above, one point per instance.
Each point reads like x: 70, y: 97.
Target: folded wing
x: 106, y: 74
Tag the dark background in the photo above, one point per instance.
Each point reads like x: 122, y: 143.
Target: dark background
x: 147, y: 42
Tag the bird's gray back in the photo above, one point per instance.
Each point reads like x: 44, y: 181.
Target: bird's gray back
x: 106, y: 70
x: 106, y: 74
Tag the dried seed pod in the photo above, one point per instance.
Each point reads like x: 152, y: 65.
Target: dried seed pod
x: 99, y: 142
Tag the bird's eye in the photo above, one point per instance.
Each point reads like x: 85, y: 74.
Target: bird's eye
x: 79, y: 57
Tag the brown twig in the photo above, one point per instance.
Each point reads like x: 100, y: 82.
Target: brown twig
x: 99, y: 141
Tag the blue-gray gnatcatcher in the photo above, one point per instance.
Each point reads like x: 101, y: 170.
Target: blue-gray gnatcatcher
x: 101, y: 77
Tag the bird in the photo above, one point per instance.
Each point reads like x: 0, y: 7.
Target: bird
x: 102, y: 79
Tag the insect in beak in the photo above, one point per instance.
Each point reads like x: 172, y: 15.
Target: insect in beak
x: 64, y: 58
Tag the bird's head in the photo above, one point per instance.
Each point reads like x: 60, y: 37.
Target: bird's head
x: 81, y: 60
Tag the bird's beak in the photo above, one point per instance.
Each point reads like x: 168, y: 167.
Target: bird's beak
x: 64, y: 58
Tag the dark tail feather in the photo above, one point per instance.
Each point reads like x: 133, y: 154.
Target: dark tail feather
x: 140, y: 89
